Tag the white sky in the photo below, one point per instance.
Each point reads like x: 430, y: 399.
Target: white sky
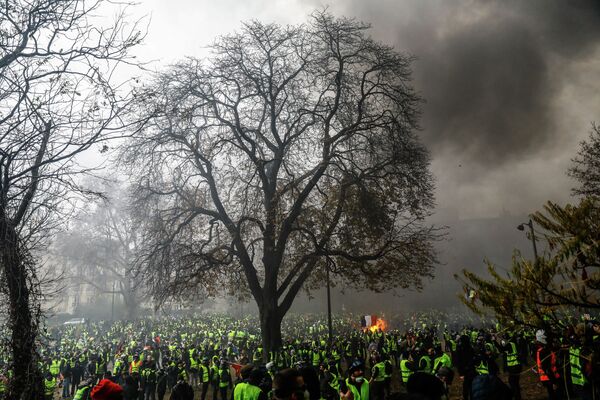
x: 182, y: 28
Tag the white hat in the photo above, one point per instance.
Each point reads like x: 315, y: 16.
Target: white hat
x: 540, y: 336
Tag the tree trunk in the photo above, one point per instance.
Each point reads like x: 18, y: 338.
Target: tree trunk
x: 270, y: 326
x: 26, y: 383
x: 131, y: 305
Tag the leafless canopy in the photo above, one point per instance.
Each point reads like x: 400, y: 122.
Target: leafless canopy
x: 288, y: 149
x: 57, y: 98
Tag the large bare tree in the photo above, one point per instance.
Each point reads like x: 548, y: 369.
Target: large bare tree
x: 288, y: 150
x: 57, y: 99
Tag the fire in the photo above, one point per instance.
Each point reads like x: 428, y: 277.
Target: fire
x: 380, y: 324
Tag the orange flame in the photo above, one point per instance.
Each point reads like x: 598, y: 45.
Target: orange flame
x: 380, y: 324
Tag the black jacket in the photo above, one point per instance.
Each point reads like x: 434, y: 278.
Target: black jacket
x: 182, y: 391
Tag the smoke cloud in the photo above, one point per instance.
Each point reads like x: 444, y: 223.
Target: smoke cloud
x: 503, y: 82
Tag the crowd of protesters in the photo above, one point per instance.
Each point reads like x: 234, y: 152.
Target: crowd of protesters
x: 216, y: 357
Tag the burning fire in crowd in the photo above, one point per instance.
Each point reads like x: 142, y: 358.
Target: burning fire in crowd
x: 380, y: 324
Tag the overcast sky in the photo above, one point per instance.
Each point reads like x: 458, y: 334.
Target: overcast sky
x: 511, y: 86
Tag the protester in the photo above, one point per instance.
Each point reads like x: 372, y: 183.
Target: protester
x: 171, y: 357
x: 182, y: 390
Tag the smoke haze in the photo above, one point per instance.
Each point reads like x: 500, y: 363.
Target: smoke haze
x: 510, y: 90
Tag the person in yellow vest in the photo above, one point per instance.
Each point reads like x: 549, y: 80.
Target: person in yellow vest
x: 135, y: 365
x: 387, y: 382
x: 238, y: 389
x: 84, y: 389
x: 49, y: 386
x: 119, y: 367
x: 442, y: 359
x: 55, y: 367
x: 225, y: 381
x: 204, y: 376
x: 378, y: 375
x: 214, y: 376
x: 257, y: 355
x: 248, y: 388
x: 355, y: 387
x: 580, y: 358
x: 149, y: 380
x: 253, y: 390
x: 426, y: 361
x: 100, y: 367
x: 512, y: 364
x: 329, y: 381
x: 194, y: 367
x: 407, y: 366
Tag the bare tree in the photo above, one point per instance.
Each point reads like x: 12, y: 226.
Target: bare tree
x: 57, y: 99
x: 289, y: 148
x: 101, y: 247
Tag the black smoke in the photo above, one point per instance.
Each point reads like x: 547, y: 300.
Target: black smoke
x: 489, y: 70
x: 496, y: 118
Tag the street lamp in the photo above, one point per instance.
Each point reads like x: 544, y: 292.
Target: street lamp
x: 329, y: 323
x: 521, y: 227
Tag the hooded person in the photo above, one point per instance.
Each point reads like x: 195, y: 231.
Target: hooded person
x: 83, y: 389
x: 182, y: 390
x: 288, y: 384
x: 431, y: 387
x: 248, y: 388
x: 240, y: 385
x: 107, y: 390
x: 355, y: 387
x: 464, y: 361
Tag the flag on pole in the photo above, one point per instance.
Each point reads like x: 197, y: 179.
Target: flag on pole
x: 368, y: 320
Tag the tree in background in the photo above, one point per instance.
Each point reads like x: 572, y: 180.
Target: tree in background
x: 289, y: 149
x: 101, y: 248
x: 543, y: 292
x: 57, y: 99
x: 586, y: 165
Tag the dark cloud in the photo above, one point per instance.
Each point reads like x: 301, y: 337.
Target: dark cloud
x: 487, y: 92
x: 488, y: 69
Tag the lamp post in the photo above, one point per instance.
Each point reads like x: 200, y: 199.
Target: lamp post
x: 329, y: 323
x: 521, y: 227
x: 112, y: 306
